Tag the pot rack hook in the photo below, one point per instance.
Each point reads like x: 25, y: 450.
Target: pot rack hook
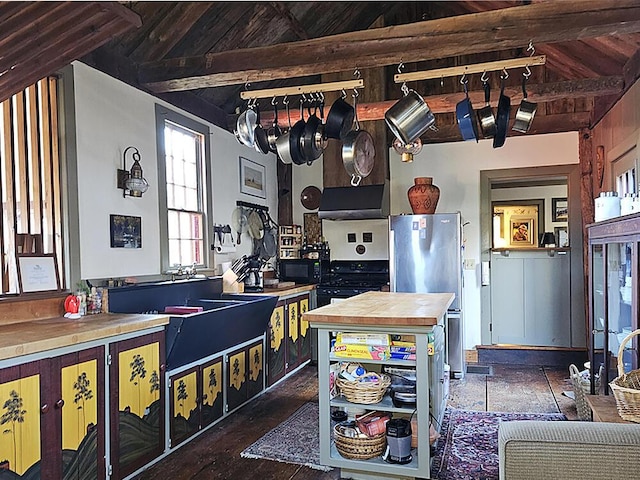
x: 274, y: 100
x: 484, y: 78
x: 400, y: 67
x: 343, y: 94
x: 504, y: 74
x: 442, y: 81
x: 464, y: 80
x: 356, y: 73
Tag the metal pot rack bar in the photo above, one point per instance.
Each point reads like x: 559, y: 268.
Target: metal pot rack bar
x: 302, y: 89
x: 468, y: 69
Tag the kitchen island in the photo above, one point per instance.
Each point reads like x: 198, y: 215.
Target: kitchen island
x: 417, y: 315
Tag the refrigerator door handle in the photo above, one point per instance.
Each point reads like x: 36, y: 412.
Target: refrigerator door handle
x: 392, y: 256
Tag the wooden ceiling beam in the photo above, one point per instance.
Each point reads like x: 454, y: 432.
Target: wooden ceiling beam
x: 426, y: 40
x: 446, y: 103
x: 283, y: 11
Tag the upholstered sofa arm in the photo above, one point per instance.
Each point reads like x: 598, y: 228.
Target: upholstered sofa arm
x: 538, y: 450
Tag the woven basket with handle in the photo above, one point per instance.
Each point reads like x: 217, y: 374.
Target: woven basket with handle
x: 364, y: 391
x: 626, y: 386
x: 582, y: 387
x: 358, y: 448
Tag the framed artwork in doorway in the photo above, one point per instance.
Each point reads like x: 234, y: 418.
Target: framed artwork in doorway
x: 522, y: 231
x: 252, y: 178
x: 562, y: 236
x: 559, y: 210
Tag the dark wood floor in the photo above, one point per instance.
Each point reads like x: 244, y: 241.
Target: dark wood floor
x: 216, y: 453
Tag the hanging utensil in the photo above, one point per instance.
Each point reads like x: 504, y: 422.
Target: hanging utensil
x: 313, y: 139
x: 504, y: 109
x: 260, y: 135
x: 465, y: 116
x: 239, y: 222
x: 526, y: 111
x: 358, y: 150
x: 255, y: 226
x: 274, y: 132
x: 339, y: 119
x: 486, y: 118
x: 245, y: 126
x: 282, y: 143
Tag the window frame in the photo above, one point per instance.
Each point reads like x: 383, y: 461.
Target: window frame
x: 165, y: 114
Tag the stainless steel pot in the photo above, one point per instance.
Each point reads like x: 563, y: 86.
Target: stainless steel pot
x: 409, y: 117
x: 358, y: 155
x: 525, y: 113
x: 245, y: 127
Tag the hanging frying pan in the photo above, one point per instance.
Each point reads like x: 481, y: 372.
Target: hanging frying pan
x: 239, y: 222
x: 526, y: 111
x: 502, y: 123
x: 486, y: 118
x: 255, y: 226
x: 339, y: 119
x: 245, y: 126
x: 358, y: 151
x: 260, y: 135
x: 465, y: 116
x: 274, y: 132
x: 282, y: 142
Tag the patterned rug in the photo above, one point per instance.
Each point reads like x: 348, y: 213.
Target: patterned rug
x: 296, y: 440
x: 468, y: 447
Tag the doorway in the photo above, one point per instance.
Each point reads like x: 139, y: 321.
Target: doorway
x: 538, y: 323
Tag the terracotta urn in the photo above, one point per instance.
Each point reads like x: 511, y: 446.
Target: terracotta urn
x: 423, y: 195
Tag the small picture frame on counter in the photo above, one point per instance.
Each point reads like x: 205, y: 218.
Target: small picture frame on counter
x: 38, y: 273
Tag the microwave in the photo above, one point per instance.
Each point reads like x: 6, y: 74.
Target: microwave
x: 303, y: 270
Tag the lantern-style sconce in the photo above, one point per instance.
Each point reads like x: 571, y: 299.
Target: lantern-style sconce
x: 131, y: 181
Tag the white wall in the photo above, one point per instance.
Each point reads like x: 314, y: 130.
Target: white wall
x: 455, y: 168
x: 110, y: 116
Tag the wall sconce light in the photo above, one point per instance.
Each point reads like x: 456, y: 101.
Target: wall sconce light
x: 132, y: 182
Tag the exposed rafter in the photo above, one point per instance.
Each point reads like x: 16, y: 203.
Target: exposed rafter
x: 427, y: 40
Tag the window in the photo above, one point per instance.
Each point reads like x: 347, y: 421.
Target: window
x: 624, y: 170
x: 30, y: 180
x: 182, y: 148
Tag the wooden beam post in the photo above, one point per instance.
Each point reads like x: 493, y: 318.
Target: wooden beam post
x: 585, y: 153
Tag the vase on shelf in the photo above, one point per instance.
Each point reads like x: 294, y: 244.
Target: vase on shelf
x: 423, y: 195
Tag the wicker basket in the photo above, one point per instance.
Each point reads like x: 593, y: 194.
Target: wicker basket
x: 582, y: 387
x: 364, y: 392
x: 626, y: 386
x: 358, y: 448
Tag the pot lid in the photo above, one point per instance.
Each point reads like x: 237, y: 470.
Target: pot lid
x: 310, y: 197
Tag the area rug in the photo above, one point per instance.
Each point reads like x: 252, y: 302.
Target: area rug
x: 468, y: 447
x: 296, y: 440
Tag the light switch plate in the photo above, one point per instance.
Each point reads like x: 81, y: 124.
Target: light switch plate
x: 469, y: 264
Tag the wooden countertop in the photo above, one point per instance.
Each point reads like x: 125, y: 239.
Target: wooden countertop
x: 39, y: 335
x: 284, y: 291
x: 384, y: 308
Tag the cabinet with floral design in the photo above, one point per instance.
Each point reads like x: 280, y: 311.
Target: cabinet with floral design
x: 245, y: 374
x: 52, y: 417
x: 195, y: 399
x: 288, y: 337
x: 136, y: 379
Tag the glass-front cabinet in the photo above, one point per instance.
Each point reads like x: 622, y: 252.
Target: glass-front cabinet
x: 614, y: 246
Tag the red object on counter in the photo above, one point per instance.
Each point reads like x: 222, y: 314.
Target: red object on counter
x: 71, y: 304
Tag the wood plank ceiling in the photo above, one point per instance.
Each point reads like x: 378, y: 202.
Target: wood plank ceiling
x: 200, y: 55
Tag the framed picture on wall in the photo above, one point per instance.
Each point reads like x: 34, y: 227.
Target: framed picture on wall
x: 559, y: 210
x: 252, y: 178
x: 562, y: 236
x: 522, y: 231
x: 125, y: 231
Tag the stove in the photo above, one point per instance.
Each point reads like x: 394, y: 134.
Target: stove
x: 347, y: 278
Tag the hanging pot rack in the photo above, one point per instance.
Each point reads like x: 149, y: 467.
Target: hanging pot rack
x: 468, y: 69
x: 302, y: 89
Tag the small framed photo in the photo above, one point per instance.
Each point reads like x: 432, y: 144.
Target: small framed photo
x: 38, y: 273
x: 562, y: 236
x: 523, y: 231
x: 559, y: 210
x: 126, y: 231
x: 252, y: 178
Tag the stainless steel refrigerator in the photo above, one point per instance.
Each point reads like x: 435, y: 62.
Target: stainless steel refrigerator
x: 425, y: 256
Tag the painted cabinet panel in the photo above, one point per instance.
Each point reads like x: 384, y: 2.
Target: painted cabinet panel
x: 289, y: 337
x: 137, y: 383
x: 245, y: 376
x: 52, y: 417
x: 212, y: 402
x: 183, y: 403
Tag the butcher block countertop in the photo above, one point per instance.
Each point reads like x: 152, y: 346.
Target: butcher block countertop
x: 288, y: 290
x: 384, y: 308
x: 39, y: 335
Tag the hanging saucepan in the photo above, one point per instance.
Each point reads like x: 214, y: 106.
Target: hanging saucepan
x: 526, y: 111
x: 282, y: 143
x: 255, y: 227
x: 465, y: 116
x: 260, y: 135
x: 295, y: 138
x: 504, y: 109
x: 339, y: 118
x: 409, y: 117
x: 245, y: 126
x: 268, y: 249
x: 313, y: 140
x: 274, y: 131
x: 486, y: 117
x: 358, y: 151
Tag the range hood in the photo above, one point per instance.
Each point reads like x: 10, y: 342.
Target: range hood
x: 366, y: 201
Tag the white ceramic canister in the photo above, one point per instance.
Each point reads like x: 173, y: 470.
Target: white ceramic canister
x: 626, y: 203
x: 607, y: 205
